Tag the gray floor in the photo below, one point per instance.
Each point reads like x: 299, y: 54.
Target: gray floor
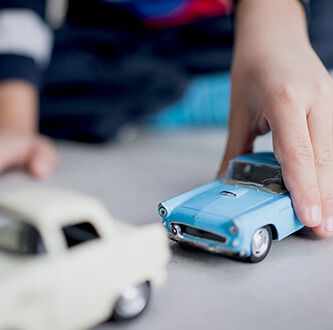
x: 292, y: 289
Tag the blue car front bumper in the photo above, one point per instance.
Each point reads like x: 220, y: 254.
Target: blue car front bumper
x: 217, y: 243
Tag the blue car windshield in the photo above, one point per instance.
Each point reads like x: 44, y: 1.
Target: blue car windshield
x: 260, y: 176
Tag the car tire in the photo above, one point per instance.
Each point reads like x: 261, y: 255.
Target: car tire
x: 132, y: 302
x: 261, y: 243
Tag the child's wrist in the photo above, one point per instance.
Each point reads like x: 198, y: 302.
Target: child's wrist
x: 270, y: 23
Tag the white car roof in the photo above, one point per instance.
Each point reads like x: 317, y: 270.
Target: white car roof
x: 42, y: 205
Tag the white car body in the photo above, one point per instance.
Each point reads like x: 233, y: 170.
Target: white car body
x: 73, y: 288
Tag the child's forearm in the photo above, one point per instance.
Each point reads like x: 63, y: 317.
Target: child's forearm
x: 18, y: 107
x: 263, y: 24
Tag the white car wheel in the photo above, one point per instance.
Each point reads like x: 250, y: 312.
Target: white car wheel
x: 132, y: 302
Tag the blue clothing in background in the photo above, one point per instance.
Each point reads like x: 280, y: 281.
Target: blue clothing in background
x: 205, y: 103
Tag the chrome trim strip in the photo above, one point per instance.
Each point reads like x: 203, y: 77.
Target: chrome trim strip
x: 201, y: 238
x: 203, y: 245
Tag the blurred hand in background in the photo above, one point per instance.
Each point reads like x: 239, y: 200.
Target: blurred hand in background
x: 20, y: 143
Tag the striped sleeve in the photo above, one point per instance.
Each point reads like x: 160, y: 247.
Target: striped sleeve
x: 25, y: 40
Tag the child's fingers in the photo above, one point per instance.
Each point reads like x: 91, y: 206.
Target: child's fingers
x: 14, y: 150
x: 320, y: 122
x: 43, y: 159
x: 240, y: 141
x: 293, y: 149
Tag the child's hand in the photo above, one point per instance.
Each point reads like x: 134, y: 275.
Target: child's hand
x: 34, y: 153
x: 20, y: 145
x: 279, y: 83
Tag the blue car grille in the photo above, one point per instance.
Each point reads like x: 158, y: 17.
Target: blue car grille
x: 195, y: 232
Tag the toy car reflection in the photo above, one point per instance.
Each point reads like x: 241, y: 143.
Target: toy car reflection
x: 65, y: 263
x: 238, y: 215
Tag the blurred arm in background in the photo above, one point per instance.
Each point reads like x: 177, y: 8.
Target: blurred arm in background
x: 25, y: 48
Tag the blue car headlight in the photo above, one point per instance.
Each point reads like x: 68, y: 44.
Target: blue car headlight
x: 233, y: 229
x: 162, y: 211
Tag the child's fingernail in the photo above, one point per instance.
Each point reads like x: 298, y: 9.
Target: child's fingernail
x: 329, y: 224
x: 314, y: 214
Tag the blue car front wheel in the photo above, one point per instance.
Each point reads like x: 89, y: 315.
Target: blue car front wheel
x: 260, y: 244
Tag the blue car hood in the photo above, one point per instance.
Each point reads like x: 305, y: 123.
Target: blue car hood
x: 228, y: 201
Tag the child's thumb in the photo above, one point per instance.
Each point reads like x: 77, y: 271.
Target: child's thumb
x: 43, y: 159
x: 240, y: 141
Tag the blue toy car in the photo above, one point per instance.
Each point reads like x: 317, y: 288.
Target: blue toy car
x: 238, y: 215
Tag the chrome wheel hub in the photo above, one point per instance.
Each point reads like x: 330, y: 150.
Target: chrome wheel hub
x: 260, y: 242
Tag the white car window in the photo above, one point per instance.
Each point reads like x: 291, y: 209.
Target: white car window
x: 79, y: 233
x: 19, y: 237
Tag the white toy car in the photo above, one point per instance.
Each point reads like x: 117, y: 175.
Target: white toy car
x: 65, y: 263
